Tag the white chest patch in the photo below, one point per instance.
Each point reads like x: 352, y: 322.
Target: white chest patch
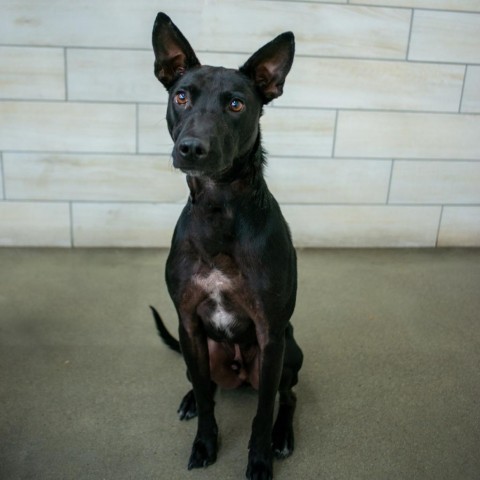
x: 215, y: 284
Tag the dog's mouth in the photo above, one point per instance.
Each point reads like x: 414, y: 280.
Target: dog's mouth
x: 213, y: 174
x: 192, y: 173
x: 186, y: 168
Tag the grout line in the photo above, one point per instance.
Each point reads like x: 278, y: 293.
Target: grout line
x: 400, y: 7
x: 245, y: 53
x: 321, y: 158
x: 439, y: 226
x: 271, y: 156
x: 376, y: 110
x: 334, y: 142
x: 463, y: 89
x: 75, y: 47
x: 182, y: 201
x: 88, y: 152
x: 75, y: 101
x: 137, y: 128
x: 412, y: 15
x: 453, y: 160
x: 65, y: 66
x: 377, y: 5
x: 2, y: 173
x: 72, y: 241
x: 325, y: 109
x: 390, y: 182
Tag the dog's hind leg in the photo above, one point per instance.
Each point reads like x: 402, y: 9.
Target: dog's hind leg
x: 282, y: 434
x: 188, y: 405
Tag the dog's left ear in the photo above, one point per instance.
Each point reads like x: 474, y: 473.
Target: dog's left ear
x: 173, y: 53
x: 269, y: 66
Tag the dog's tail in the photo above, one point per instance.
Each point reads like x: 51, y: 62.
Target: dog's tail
x: 164, y: 334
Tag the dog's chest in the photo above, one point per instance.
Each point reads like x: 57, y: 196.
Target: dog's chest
x: 217, y: 287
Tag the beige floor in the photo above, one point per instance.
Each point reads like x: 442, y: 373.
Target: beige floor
x: 390, y: 387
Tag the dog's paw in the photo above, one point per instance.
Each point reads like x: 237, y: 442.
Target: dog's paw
x: 282, y: 441
x: 259, y: 467
x: 188, y: 407
x: 204, y: 452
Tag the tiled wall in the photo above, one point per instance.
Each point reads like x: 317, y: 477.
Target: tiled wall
x: 376, y: 141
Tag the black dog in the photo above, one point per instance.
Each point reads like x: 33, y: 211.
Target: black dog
x: 231, y: 271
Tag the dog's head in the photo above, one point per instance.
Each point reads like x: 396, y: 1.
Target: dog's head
x: 213, y: 112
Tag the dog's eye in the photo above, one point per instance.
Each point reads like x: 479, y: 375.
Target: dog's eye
x: 181, y: 98
x: 236, y: 105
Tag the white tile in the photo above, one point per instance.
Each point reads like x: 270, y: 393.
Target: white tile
x: 297, y: 180
x: 124, y: 225
x: 362, y: 226
x: 219, y: 59
x: 471, y: 93
x: 445, y: 37
x: 465, y: 5
x: 367, y: 84
x: 153, y: 130
x: 408, y: 135
x: 34, y: 224
x: 113, y: 75
x: 327, y: 30
x: 61, y: 126
x: 435, y: 182
x: 90, y: 23
x: 32, y: 73
x: 127, y: 76
x: 151, y: 225
x: 93, y: 178
x: 460, y: 227
x: 298, y: 132
x: 295, y: 132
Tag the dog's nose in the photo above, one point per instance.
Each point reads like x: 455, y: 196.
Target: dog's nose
x: 193, y: 149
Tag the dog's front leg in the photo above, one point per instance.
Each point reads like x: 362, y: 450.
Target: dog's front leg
x: 260, y: 457
x: 195, y: 351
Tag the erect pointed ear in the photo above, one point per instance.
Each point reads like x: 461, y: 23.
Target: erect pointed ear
x: 173, y: 53
x: 269, y: 66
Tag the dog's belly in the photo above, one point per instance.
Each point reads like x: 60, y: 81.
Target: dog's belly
x: 232, y: 365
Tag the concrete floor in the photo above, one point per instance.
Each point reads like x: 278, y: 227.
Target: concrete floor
x: 390, y: 387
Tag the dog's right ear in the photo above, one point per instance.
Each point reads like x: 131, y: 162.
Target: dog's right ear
x: 173, y: 53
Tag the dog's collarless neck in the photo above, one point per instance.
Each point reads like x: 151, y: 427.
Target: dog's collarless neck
x: 243, y: 180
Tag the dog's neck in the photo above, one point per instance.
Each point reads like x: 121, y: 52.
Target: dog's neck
x: 243, y: 180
